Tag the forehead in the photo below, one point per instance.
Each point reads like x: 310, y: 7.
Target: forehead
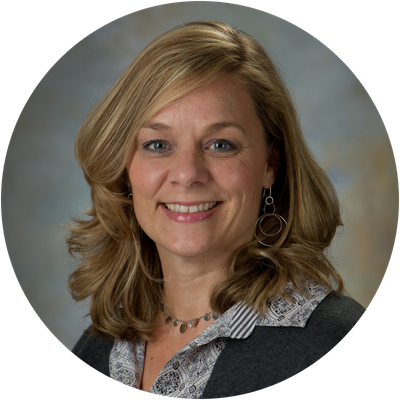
x: 224, y: 98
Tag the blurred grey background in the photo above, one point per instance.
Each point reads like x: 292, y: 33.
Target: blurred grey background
x: 43, y: 185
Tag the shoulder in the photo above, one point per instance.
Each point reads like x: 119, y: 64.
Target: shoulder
x: 94, y: 351
x: 274, y: 353
x: 328, y: 323
x: 336, y: 313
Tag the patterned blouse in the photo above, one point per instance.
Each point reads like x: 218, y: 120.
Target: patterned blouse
x: 186, y: 374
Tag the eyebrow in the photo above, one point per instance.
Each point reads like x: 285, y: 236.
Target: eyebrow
x: 158, y: 126
x: 222, y: 125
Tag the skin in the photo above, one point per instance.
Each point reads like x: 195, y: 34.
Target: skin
x: 208, y: 147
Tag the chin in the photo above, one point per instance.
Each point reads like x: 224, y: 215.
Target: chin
x: 189, y: 248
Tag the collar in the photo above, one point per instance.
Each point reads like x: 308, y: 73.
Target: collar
x: 280, y: 312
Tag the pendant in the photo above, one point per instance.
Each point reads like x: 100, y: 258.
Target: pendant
x: 183, y: 328
x: 215, y: 315
x: 168, y: 320
x: 193, y: 324
x: 207, y: 317
x: 175, y: 323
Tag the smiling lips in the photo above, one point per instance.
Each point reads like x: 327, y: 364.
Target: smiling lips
x: 185, y: 209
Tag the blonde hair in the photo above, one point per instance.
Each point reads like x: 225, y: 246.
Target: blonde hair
x: 119, y: 265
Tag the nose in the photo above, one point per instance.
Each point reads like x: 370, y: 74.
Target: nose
x: 188, y: 167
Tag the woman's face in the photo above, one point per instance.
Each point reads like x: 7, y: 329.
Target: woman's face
x: 197, y: 172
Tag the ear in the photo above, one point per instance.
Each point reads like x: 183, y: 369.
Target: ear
x: 271, y: 169
x: 269, y: 176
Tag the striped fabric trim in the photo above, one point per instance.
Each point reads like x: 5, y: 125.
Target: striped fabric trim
x: 243, y: 322
x: 280, y: 312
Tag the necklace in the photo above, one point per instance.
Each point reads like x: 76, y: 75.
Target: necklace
x: 192, y: 323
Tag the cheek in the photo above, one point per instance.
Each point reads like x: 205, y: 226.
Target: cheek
x: 145, y: 179
x: 144, y: 185
x: 242, y: 177
x: 244, y: 190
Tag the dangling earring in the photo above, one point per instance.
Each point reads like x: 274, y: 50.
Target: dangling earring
x: 269, y: 202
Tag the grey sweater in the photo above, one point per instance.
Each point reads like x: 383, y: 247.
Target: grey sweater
x: 270, y: 355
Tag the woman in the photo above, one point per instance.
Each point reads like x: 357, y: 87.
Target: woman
x: 208, y: 226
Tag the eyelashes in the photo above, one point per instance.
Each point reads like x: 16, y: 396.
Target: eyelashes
x: 157, y: 146
x: 216, y: 145
x: 222, y: 145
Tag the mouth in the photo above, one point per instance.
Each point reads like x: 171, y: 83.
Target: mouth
x: 190, y: 209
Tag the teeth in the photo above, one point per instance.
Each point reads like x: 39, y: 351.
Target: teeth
x: 191, y: 209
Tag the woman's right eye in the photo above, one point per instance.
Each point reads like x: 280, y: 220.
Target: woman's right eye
x: 157, y: 146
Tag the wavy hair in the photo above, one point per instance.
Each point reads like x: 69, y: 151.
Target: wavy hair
x: 119, y: 267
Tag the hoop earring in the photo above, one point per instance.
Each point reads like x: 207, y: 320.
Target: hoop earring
x: 269, y: 202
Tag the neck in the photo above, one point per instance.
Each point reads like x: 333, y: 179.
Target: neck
x: 188, y: 284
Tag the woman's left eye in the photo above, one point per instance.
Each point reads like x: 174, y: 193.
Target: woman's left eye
x: 221, y: 145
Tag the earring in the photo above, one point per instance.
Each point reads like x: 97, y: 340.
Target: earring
x: 269, y: 202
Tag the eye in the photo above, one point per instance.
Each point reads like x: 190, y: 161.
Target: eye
x: 222, y: 145
x: 157, y: 146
